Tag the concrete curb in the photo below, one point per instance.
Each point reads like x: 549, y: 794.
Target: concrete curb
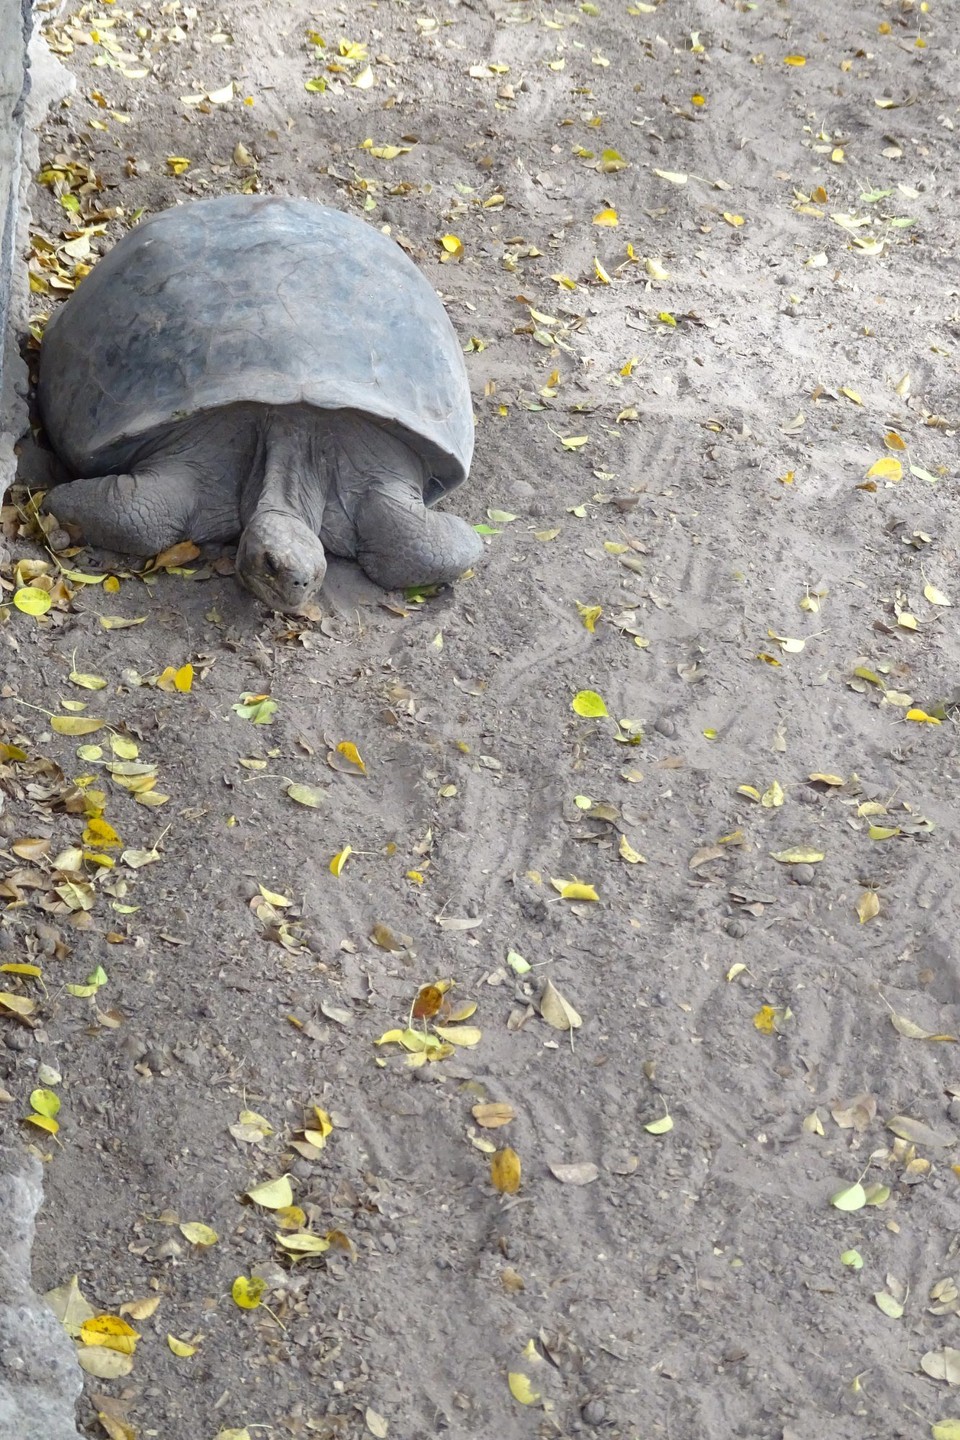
x: 40, y: 1379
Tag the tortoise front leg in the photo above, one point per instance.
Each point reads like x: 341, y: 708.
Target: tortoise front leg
x: 400, y: 542
x: 141, y: 513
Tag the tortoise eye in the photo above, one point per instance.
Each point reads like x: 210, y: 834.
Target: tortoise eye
x: 270, y: 565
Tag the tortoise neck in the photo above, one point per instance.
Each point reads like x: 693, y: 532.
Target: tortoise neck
x: 292, y: 470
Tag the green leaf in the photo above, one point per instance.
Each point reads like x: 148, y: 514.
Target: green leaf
x: 851, y: 1197
x: 589, y: 704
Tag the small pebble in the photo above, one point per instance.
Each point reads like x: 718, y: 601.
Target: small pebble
x: 802, y: 874
x: 594, y: 1412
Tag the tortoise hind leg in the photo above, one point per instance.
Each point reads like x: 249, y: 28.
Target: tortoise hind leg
x: 400, y: 542
x: 139, y: 514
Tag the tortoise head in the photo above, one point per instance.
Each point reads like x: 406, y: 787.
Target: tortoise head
x: 281, y: 560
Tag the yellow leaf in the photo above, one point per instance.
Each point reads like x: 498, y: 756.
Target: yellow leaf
x: 272, y: 1194
x: 181, y: 1348
x: 248, y: 1293
x: 600, y: 273
x: 306, y: 795
x: 921, y: 717
x: 589, y: 704
x: 16, y: 1004
x: 735, y: 220
x: 119, y: 622
x: 845, y: 389
x: 199, y: 1234
x: 43, y: 1122
x: 87, y: 682
x: 851, y: 1197
x: 574, y: 890
x: 663, y: 1126
x: 291, y: 1218
x: 521, y: 1389
x: 350, y: 753
x: 111, y: 1332
x: 45, y: 1102
x: 452, y: 246
x: 32, y: 600
x: 177, y: 164
x: 798, y: 855
x: 573, y: 442
x: 893, y: 441
x: 304, y: 1242
x: 589, y: 614
x: 655, y: 270
x: 886, y: 469
x: 466, y: 1035
x: 505, y: 1171
x: 868, y: 906
x: 770, y: 1018
x: 340, y: 859
x: 627, y: 852
x: 324, y: 1123
x: 794, y: 59
x: 675, y: 177
x: 606, y: 217
x: 98, y: 832
x: 115, y: 1429
x: 935, y: 596
x: 75, y: 724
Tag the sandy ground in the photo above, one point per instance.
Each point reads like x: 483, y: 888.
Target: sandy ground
x: 775, y: 312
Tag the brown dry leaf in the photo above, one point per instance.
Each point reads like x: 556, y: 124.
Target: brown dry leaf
x: 556, y: 1010
x: 856, y: 1114
x: 180, y: 554
x: 428, y: 1001
x: 583, y: 1172
x: 141, y: 1309
x: 505, y: 1171
x: 491, y: 1114
x: 383, y: 936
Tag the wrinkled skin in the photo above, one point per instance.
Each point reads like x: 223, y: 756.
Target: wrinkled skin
x: 290, y: 482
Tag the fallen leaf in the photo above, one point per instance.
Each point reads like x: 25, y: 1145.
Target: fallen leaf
x: 556, y: 1010
x: 181, y: 1348
x: 851, y: 1197
x: 491, y: 1114
x: 340, y: 859
x: 505, y: 1171
x: 248, y: 1292
x: 574, y: 890
x: 868, y: 906
x: 583, y: 1172
x: 798, y: 855
x: 521, y: 1389
x: 272, y: 1194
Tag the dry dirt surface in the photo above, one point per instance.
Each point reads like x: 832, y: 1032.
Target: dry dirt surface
x: 702, y: 259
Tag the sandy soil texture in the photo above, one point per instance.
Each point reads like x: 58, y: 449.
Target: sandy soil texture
x: 702, y: 260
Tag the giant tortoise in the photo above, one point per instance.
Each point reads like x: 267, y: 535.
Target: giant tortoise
x: 269, y: 369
